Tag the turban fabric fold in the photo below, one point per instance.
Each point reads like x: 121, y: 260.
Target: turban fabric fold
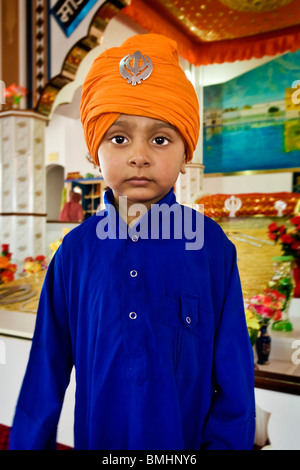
x: 166, y: 94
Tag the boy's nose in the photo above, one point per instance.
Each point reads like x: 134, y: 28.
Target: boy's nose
x: 139, y: 156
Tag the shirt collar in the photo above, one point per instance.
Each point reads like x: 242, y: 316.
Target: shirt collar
x: 118, y: 225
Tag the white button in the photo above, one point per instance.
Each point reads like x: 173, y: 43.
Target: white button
x: 134, y: 238
x: 132, y: 315
x: 133, y: 273
x: 188, y: 320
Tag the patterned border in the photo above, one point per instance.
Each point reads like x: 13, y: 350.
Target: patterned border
x: 38, y: 45
x: 74, y: 57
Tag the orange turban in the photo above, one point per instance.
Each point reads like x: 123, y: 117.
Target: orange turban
x: 164, y: 92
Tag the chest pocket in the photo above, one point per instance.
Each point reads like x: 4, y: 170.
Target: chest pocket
x: 187, y: 313
x: 187, y: 339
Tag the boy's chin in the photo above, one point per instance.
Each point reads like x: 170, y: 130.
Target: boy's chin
x: 144, y: 198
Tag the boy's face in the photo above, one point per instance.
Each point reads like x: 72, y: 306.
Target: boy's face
x: 141, y: 158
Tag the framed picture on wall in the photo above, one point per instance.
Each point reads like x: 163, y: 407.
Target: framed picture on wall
x: 252, y: 122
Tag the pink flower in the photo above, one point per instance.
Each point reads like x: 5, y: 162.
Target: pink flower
x: 262, y: 310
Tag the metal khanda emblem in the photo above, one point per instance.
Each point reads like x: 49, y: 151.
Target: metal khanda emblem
x: 135, y: 68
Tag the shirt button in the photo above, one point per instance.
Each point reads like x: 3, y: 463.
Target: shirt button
x: 133, y: 273
x: 134, y: 238
x: 188, y: 320
x: 132, y: 315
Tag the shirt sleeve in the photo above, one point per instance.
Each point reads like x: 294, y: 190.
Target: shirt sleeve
x: 231, y: 421
x: 48, y: 370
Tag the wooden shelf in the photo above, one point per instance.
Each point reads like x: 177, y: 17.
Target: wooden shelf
x: 92, y: 193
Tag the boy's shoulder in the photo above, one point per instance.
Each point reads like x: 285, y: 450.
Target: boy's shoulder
x: 210, y: 225
x: 213, y: 236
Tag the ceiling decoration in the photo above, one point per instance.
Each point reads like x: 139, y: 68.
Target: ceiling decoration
x: 206, y: 31
x: 255, y: 5
x: 210, y: 31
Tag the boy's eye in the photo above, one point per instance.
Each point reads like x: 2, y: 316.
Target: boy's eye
x: 160, y: 140
x: 118, y: 139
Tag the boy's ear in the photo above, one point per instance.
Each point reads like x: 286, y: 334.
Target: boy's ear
x: 182, y: 168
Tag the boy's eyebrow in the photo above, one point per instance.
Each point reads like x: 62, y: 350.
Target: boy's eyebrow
x: 155, y: 125
x: 165, y: 124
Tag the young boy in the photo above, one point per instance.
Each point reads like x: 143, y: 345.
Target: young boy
x: 153, y: 324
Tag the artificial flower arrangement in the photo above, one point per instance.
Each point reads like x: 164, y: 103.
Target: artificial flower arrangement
x: 267, y: 306
x: 290, y: 246
x: 289, y: 238
x: 7, y: 269
x: 16, y: 92
x: 35, y: 265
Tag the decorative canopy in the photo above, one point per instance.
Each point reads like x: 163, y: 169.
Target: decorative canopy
x: 206, y: 31
x: 217, y: 31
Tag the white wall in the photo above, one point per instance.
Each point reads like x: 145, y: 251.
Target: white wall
x: 75, y: 148
x: 220, y: 73
x: 251, y: 183
x: 55, y: 141
x: 65, y: 145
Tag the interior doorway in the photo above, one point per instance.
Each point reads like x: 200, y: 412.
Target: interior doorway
x: 55, y: 185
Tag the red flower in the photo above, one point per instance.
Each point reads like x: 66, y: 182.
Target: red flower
x: 275, y: 231
x: 272, y: 236
x: 7, y: 276
x: 40, y: 258
x: 273, y: 227
x: 274, y: 294
x: 5, y: 248
x: 295, y: 220
x: 282, y: 229
x: 295, y: 246
x: 15, y: 90
x: 287, y: 239
x: 277, y: 316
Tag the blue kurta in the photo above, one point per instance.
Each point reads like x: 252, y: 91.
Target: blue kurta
x: 157, y: 335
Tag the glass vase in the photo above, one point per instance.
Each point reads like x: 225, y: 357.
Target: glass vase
x: 283, y: 281
x: 263, y: 345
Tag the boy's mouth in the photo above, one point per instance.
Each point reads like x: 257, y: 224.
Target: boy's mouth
x: 139, y: 180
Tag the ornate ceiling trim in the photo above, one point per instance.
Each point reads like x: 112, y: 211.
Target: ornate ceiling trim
x: 209, y: 32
